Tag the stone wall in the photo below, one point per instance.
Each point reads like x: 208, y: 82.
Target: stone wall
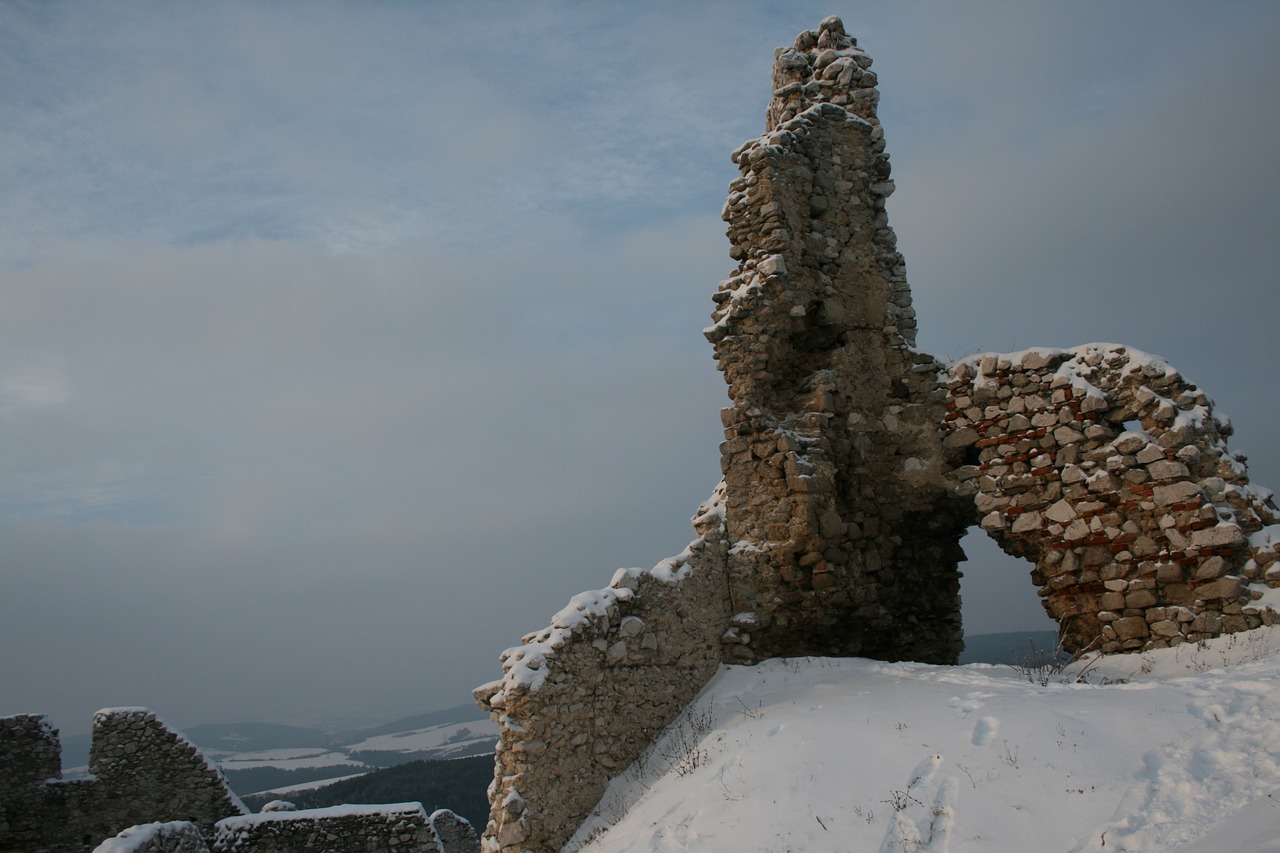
x: 1110, y: 472
x: 148, y: 772
x: 177, y: 836
x: 580, y: 700
x: 351, y: 829
x: 343, y: 829
x: 140, y: 772
x: 30, y: 761
x: 845, y: 527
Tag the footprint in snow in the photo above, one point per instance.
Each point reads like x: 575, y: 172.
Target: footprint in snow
x: 918, y: 827
x: 970, y: 702
x: 985, y: 730
x: 924, y: 771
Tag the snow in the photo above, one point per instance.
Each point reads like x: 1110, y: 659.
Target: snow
x: 304, y: 787
x: 137, y: 837
x: 288, y: 759
x: 453, y: 735
x: 389, y: 810
x: 1172, y: 750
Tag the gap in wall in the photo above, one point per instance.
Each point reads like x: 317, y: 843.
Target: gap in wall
x: 996, y: 592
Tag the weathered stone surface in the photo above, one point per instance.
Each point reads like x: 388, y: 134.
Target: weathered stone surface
x: 851, y: 522
x: 1162, y: 506
x: 580, y: 700
x: 141, y: 773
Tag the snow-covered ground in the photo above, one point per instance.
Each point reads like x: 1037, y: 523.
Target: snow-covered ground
x: 304, y: 787
x: 1172, y: 750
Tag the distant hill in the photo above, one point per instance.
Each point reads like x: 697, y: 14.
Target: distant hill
x: 459, y: 785
x: 459, y: 714
x: 269, y: 756
x: 253, y: 737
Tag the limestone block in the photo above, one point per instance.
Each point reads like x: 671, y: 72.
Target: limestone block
x: 1027, y: 521
x: 1224, y: 587
x: 1222, y: 535
x: 1062, y: 512
x: 1167, y: 469
x: 1150, y: 453
x: 1130, y: 628
x: 1140, y: 599
x: 1173, y: 493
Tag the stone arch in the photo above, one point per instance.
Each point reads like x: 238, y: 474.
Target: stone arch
x: 1110, y: 472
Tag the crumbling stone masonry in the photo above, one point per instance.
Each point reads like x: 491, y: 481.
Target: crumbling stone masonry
x: 580, y: 700
x: 140, y: 772
x: 835, y: 530
x: 1109, y: 471
x: 853, y: 465
x: 844, y: 525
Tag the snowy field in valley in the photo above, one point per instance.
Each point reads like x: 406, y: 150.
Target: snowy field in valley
x: 469, y: 738
x: 1171, y: 750
x: 285, y: 759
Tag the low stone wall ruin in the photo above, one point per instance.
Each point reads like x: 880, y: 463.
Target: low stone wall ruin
x: 401, y: 827
x: 140, y: 772
x: 580, y: 700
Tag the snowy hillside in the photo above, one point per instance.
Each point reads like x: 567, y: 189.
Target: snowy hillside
x: 300, y: 767
x: 1172, y: 750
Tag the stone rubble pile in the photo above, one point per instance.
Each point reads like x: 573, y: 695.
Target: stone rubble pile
x: 177, y: 836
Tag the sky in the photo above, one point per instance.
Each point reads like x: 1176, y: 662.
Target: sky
x: 342, y: 342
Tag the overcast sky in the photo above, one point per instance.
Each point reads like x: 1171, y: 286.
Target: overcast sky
x: 341, y: 343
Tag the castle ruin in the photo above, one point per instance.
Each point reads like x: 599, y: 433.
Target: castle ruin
x: 150, y: 790
x: 853, y: 465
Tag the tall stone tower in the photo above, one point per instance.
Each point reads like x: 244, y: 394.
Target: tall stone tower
x: 843, y: 525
